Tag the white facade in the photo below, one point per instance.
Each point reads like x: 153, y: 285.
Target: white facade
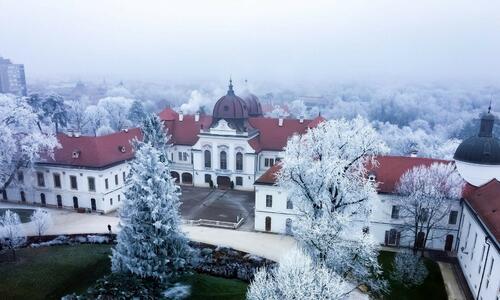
x: 478, y: 174
x: 381, y: 223
x: 479, y: 256
x: 99, y: 190
x: 273, y: 211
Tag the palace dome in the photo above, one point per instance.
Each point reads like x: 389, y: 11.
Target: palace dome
x: 230, y: 106
x: 253, y: 104
x: 478, y: 157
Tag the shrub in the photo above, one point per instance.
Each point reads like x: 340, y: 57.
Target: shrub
x: 408, y: 269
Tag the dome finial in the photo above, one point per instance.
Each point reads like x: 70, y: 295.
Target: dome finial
x: 489, y: 107
x: 230, y: 90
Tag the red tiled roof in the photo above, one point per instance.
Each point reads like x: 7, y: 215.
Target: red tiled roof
x: 94, y: 152
x: 274, y: 137
x: 485, y: 201
x: 315, y: 122
x: 269, y: 177
x: 168, y: 114
x: 184, y: 132
x: 388, y: 172
x: 391, y: 168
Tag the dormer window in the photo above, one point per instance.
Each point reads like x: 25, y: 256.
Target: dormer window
x: 122, y: 149
x: 372, y: 177
x: 76, y: 154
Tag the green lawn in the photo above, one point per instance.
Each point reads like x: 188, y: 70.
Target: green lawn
x: 431, y: 289
x: 52, y: 272
x: 24, y: 214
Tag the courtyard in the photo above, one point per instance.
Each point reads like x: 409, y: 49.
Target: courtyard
x: 218, y: 205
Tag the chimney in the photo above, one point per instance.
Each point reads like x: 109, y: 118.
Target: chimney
x: 181, y: 116
x: 280, y: 122
x: 413, y: 153
x: 301, y: 120
x: 197, y: 116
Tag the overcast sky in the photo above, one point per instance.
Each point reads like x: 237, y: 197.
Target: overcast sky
x: 283, y: 41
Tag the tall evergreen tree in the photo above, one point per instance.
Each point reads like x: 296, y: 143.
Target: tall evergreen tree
x: 155, y: 133
x: 136, y: 113
x: 150, y: 243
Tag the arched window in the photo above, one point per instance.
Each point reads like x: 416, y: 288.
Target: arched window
x: 268, y: 223
x: 75, y: 202
x: 239, y: 161
x: 223, y: 160
x: 289, y: 204
x: 208, y: 159
x: 42, y: 199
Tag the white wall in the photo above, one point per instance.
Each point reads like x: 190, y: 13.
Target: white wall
x: 102, y: 195
x: 278, y: 212
x: 380, y: 220
x: 475, y: 259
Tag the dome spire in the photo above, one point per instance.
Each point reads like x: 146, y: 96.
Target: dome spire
x: 230, y: 90
x: 487, y: 123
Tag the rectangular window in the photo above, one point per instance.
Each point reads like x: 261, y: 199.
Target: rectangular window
x: 453, y: 217
x: 91, y: 181
x: 269, y: 201
x: 239, y: 180
x: 106, y: 183
x: 20, y: 177
x: 73, y: 182
x: 266, y: 162
x: 124, y: 177
x: 271, y: 162
x: 57, y: 180
x: 119, y: 198
x: 180, y: 156
x: 110, y: 201
x: 395, y: 212
x: 185, y: 156
x: 473, y: 247
x: 208, y: 178
x: 40, y: 179
x: 116, y: 179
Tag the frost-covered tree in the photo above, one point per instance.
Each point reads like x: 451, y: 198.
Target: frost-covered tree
x: 23, y: 138
x: 12, y: 235
x: 426, y: 196
x: 104, y: 130
x: 155, y: 133
x: 409, y: 269
x: 298, y: 277
x: 150, y: 243
x: 50, y: 109
x: 95, y: 118
x: 117, y: 108
x: 76, y: 115
x: 136, y: 112
x: 324, y: 173
x: 41, y: 220
x: 277, y: 112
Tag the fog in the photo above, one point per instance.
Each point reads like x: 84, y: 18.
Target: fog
x: 283, y: 42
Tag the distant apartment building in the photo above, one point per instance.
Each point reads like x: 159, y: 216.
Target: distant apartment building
x: 12, y: 79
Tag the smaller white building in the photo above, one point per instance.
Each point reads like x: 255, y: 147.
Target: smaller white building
x: 274, y: 211
x: 86, y: 173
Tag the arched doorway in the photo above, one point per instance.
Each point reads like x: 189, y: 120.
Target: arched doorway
x: 59, y: 201
x: 449, y: 242
x: 223, y: 182
x: 93, y: 204
x: 75, y: 202
x: 187, y: 178
x: 288, y: 226
x: 268, y: 223
x: 176, y: 176
x: 42, y: 199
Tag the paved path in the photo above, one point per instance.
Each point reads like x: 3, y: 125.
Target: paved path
x: 453, y: 288
x: 270, y: 246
